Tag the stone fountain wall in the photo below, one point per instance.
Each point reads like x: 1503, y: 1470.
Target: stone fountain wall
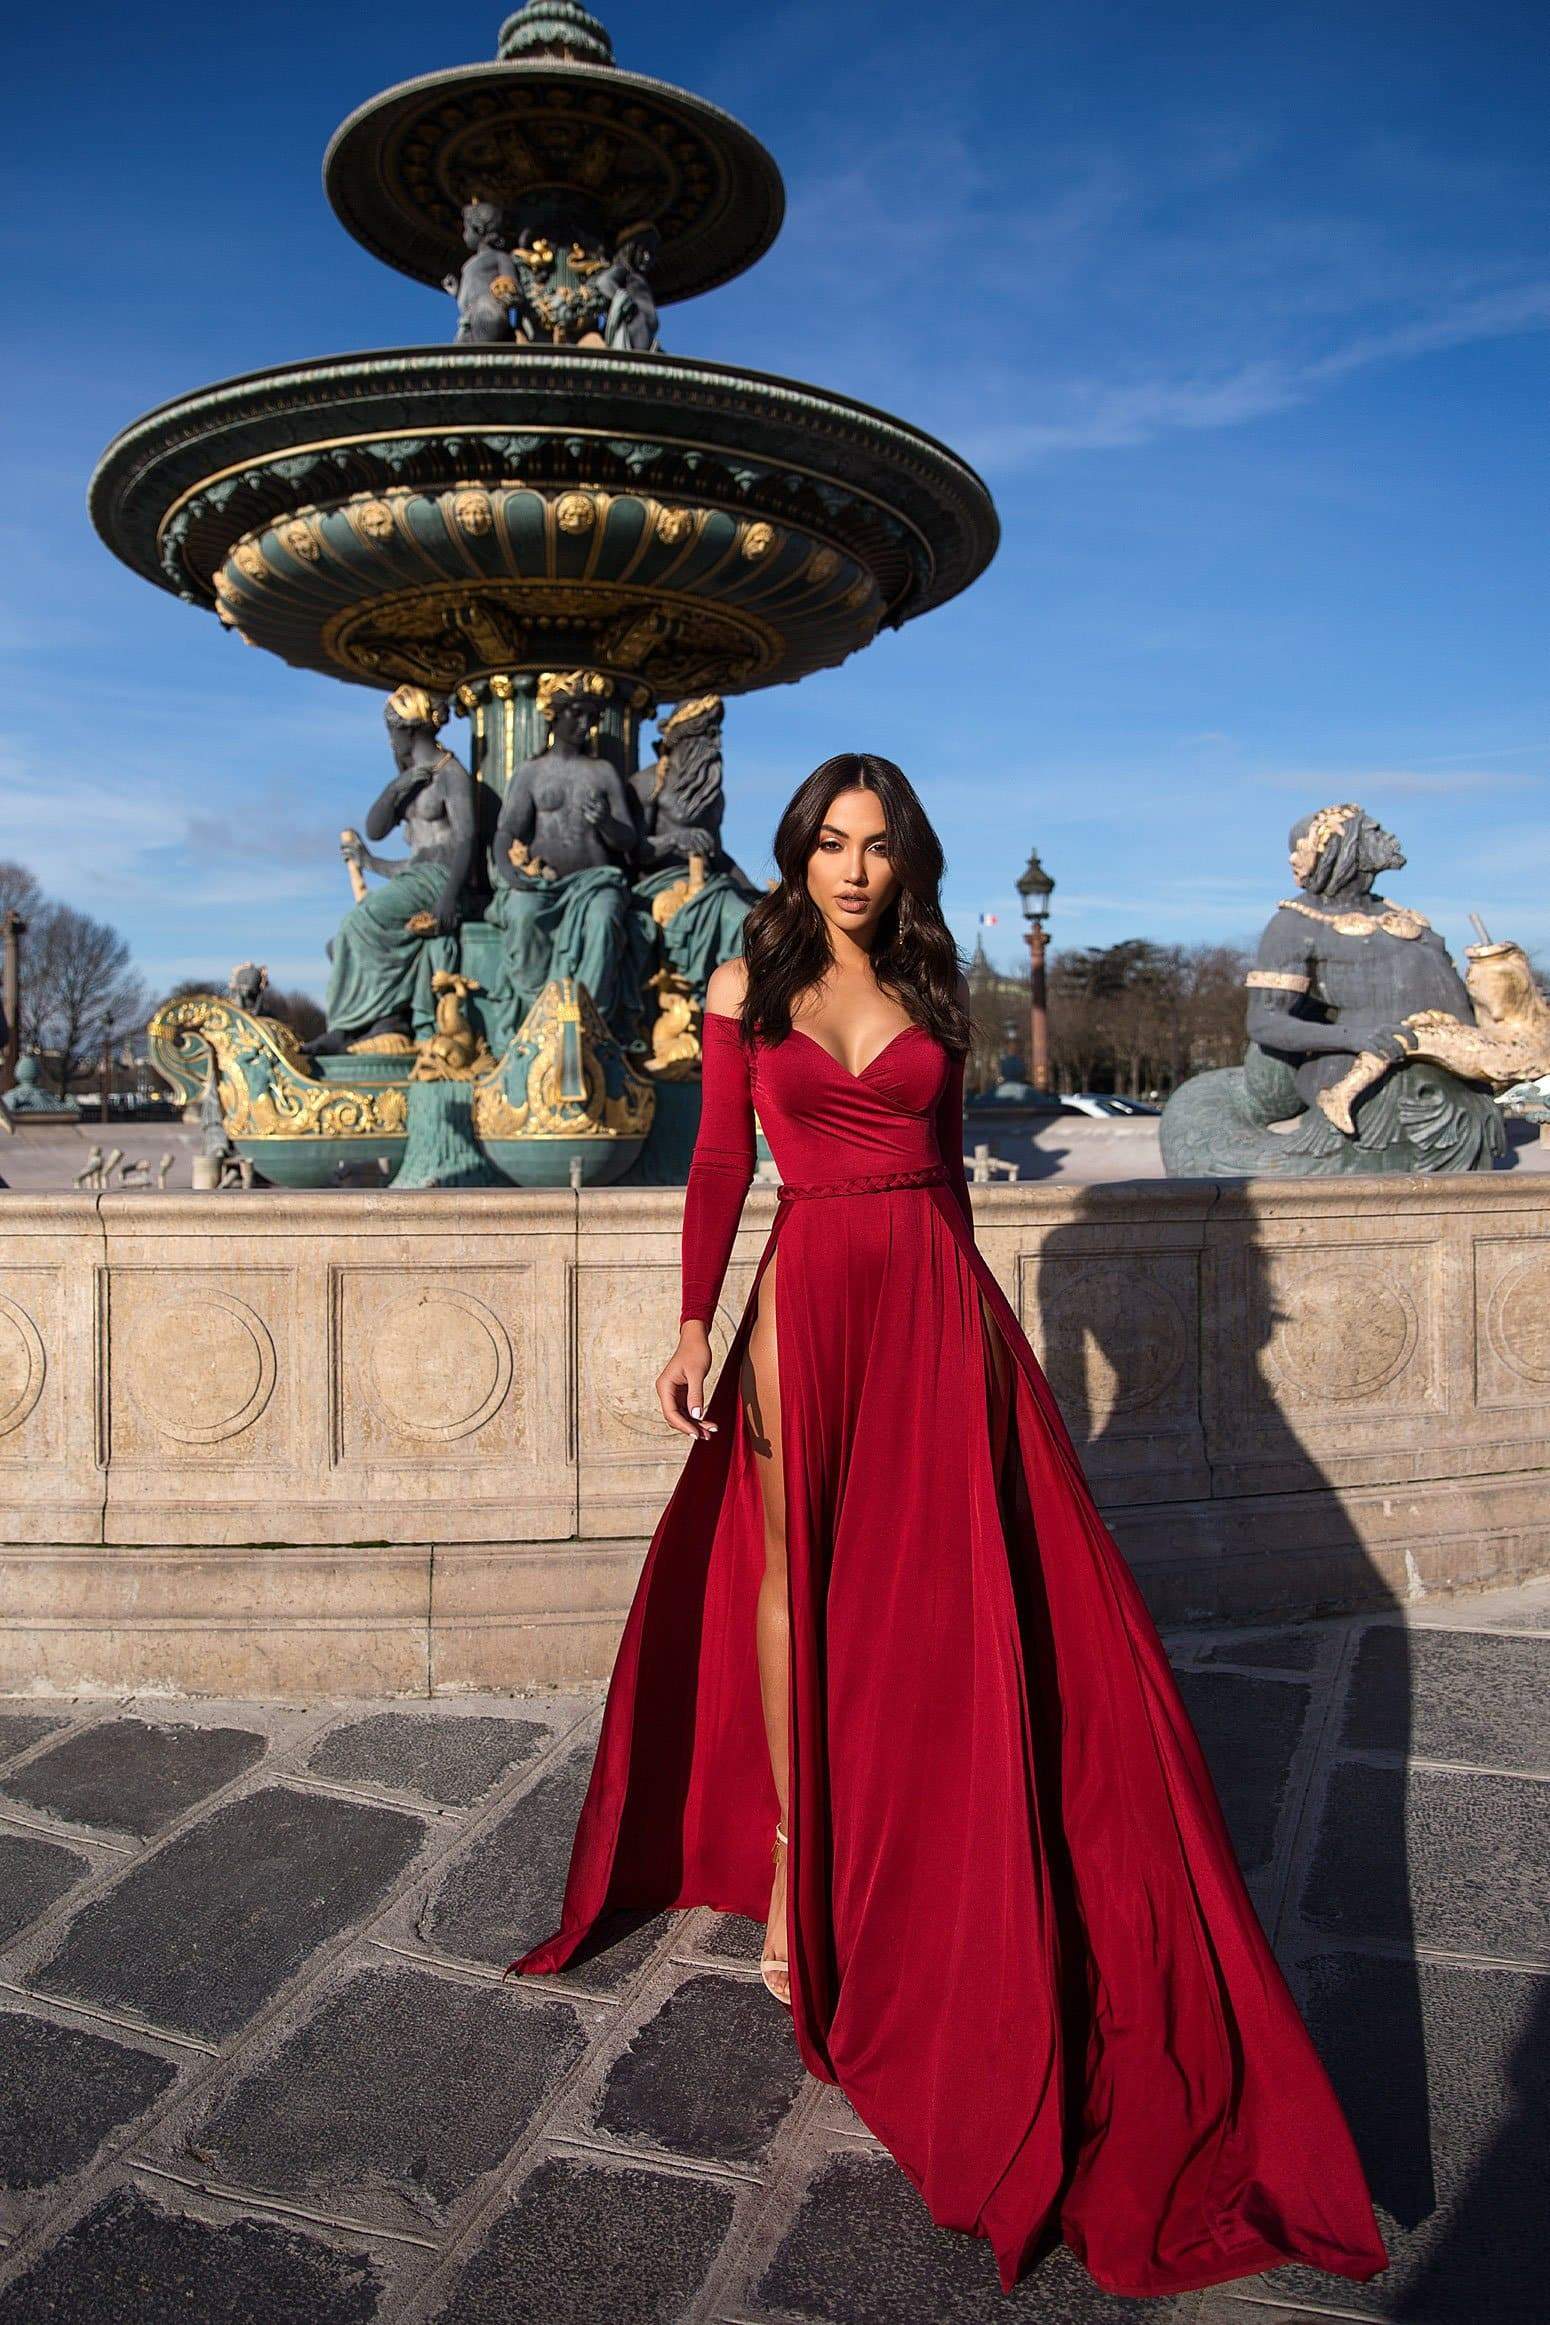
x: 353, y: 1443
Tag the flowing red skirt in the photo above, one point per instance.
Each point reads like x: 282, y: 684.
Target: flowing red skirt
x: 1019, y: 1938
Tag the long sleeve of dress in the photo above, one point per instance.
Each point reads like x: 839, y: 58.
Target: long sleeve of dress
x: 949, y: 1138
x: 722, y: 1166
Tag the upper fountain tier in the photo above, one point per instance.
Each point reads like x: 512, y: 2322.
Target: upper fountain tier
x: 565, y: 144
x: 551, y: 491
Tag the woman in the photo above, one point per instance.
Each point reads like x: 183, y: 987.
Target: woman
x: 882, y: 1627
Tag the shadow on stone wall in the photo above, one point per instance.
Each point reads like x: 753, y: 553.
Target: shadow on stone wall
x: 1328, y: 1861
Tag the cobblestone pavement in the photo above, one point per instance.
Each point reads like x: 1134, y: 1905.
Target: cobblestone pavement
x: 256, y: 2062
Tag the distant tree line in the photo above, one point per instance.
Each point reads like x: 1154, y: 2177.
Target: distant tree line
x: 1137, y: 1018
x: 1140, y: 1018
x: 79, y: 990
x: 296, y: 1009
x: 81, y: 994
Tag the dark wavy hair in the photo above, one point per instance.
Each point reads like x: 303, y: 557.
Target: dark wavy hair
x: 913, y: 956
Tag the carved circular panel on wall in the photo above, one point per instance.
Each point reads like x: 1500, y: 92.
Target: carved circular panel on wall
x: 22, y: 1365
x: 1342, y: 1334
x: 1113, y: 1342
x: 1517, y: 1319
x: 200, y: 1367
x: 440, y: 1363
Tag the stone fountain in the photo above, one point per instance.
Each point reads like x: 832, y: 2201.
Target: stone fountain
x: 556, y: 528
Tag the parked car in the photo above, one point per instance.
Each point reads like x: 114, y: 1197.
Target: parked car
x: 1105, y: 1105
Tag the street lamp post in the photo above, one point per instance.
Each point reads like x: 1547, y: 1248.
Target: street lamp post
x: 15, y: 928
x: 1035, y: 889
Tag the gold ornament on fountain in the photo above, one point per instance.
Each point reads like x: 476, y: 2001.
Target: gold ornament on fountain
x: 455, y: 1052
x: 703, y: 706
x: 1508, y: 1042
x: 530, y: 866
x: 412, y: 704
x: 1330, y: 823
x: 553, y: 683
x: 675, y: 1038
x: 575, y: 512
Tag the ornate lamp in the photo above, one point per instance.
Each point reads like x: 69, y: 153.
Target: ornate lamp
x: 1035, y: 888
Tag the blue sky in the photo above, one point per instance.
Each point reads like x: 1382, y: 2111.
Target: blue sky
x: 1241, y: 312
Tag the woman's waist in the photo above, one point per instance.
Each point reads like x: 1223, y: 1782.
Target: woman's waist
x: 872, y: 1182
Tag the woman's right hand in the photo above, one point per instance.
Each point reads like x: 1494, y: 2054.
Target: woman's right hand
x: 681, y: 1383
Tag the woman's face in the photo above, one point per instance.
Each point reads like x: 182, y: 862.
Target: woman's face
x: 849, y: 876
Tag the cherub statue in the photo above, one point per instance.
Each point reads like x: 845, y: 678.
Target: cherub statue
x: 487, y: 290
x: 1341, y: 981
x: 456, y: 1051
x: 377, y: 951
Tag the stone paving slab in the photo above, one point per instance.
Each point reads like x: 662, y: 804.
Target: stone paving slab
x: 505, y: 1894
x: 1249, y: 1730
x: 1300, y: 1648
x: 1444, y: 2072
x: 707, y: 2075
x: 133, y: 1775
x: 34, y: 1874
x: 19, y: 1730
x: 1451, y: 1695
x: 863, y: 2250
x: 735, y: 1936
x: 1437, y: 1857
x: 131, y: 2262
x: 62, y: 2090
x: 350, y: 2115
x: 586, y: 2242
x: 400, y: 2080
x: 200, y: 1933
x: 454, y: 1761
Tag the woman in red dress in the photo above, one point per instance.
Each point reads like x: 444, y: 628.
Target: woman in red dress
x: 882, y: 1633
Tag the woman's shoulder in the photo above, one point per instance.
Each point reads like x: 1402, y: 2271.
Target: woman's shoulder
x: 726, y: 987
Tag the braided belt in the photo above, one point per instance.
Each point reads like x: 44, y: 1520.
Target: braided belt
x: 927, y: 1175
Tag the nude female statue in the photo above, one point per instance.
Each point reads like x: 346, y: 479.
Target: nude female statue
x: 571, y: 913
x: 377, y: 950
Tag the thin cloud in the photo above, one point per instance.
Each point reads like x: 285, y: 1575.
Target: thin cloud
x: 1110, y: 417
x: 1439, y: 782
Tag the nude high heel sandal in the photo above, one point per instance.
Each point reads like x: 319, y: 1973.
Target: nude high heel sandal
x: 774, y: 1962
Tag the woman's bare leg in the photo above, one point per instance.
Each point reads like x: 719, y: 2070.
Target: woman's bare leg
x: 759, y: 1388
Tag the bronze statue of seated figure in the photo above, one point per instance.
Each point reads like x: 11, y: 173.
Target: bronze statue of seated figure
x: 1367, y: 1050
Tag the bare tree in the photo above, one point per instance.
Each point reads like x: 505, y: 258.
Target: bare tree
x: 299, y: 1010
x: 1141, y: 1017
x: 19, y: 891
x: 80, y: 990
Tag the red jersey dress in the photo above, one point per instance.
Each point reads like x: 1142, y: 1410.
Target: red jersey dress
x: 1019, y: 1938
